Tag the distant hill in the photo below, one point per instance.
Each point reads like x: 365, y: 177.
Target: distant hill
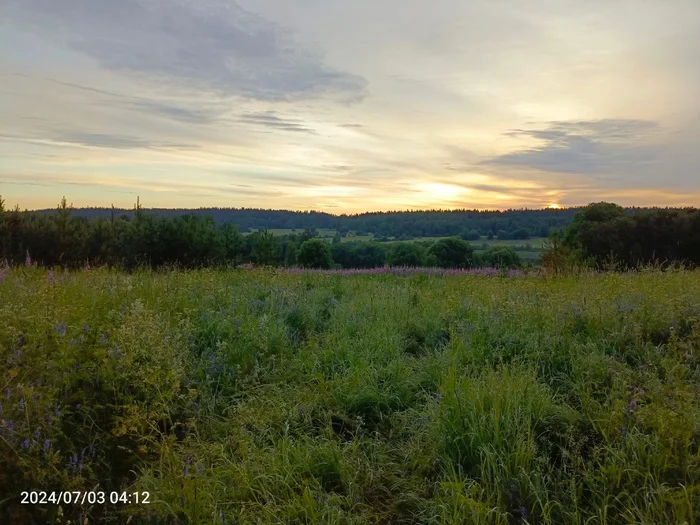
x: 533, y: 223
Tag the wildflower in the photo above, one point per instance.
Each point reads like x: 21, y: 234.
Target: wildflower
x: 623, y: 431
x: 86, y: 328
x: 60, y: 329
x: 50, y: 277
x: 523, y: 513
x: 21, y: 404
x: 47, y: 445
x: 74, y: 463
x: 77, y: 407
x: 8, y: 392
x: 11, y: 428
x: 187, y: 464
x: 37, y: 433
x: 28, y: 260
x: 104, y: 337
x: 25, y: 445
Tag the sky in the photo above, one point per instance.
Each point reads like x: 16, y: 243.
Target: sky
x: 347, y: 107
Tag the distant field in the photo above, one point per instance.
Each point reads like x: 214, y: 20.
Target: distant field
x: 536, y: 242
x: 525, y: 256
x: 274, y: 396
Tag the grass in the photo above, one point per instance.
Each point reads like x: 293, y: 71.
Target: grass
x: 262, y: 396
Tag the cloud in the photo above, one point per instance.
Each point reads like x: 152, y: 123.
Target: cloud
x: 109, y: 140
x: 214, y: 45
x: 271, y: 120
x: 600, y: 147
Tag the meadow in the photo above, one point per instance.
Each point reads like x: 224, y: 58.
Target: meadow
x: 278, y: 396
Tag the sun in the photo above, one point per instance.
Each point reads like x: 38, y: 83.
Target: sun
x: 554, y: 207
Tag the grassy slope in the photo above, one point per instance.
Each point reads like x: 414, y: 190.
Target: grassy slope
x: 261, y: 397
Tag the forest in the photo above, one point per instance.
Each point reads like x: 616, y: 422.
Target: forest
x: 598, y: 235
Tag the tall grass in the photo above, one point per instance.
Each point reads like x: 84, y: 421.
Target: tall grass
x: 255, y: 396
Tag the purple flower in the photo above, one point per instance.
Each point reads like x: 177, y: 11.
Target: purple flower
x: 60, y: 329
x: 77, y: 407
x: 103, y: 339
x: 28, y: 260
x: 47, y: 445
x: 623, y: 431
x: 37, y: 433
x: 11, y: 428
x: 74, y: 463
x: 50, y: 277
x: 187, y: 464
x: 25, y: 445
x: 8, y: 392
x: 21, y: 404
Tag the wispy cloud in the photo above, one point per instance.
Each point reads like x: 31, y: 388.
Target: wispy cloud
x: 270, y: 120
x: 208, y: 44
x: 590, y: 147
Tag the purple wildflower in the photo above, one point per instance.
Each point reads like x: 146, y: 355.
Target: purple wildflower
x: 60, y: 329
x: 74, y: 463
x: 21, y: 404
x: 50, y: 277
x: 11, y: 428
x: 37, y: 433
x: 25, y: 445
x: 623, y: 431
x: 77, y: 407
x: 47, y: 445
x: 28, y: 260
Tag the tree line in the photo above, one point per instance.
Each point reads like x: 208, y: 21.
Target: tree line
x: 601, y: 235
x: 64, y: 238
x: 400, y: 225
x: 604, y: 236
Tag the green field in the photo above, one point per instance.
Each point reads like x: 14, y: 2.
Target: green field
x: 252, y: 396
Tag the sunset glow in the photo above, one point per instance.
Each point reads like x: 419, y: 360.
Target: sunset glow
x: 458, y: 105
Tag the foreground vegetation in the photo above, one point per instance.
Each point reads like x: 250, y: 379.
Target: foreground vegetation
x: 269, y: 396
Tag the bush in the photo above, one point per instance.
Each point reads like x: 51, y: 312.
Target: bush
x: 501, y: 257
x: 314, y: 253
x: 451, y: 253
x: 405, y: 254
